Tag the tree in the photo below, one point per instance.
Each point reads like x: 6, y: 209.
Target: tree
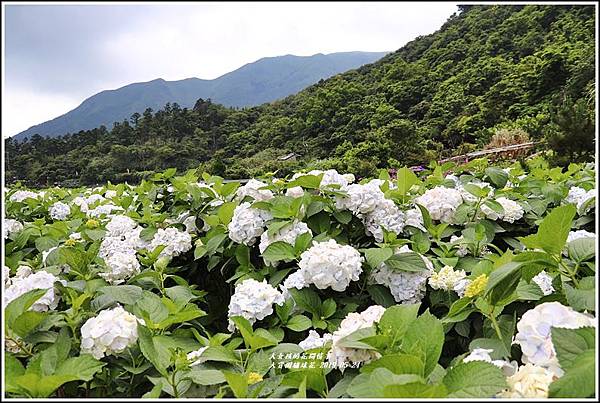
x: 571, y: 136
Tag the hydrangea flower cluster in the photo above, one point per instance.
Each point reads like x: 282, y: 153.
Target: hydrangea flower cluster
x: 466, y: 195
x: 120, y: 225
x: 330, y: 177
x: 405, y: 287
x: 194, y: 356
x: 288, y: 234
x: 59, y: 211
x: 314, y: 340
x: 109, y: 333
x: 247, y: 224
x: 512, y: 211
x: 414, y: 218
x: 6, y: 276
x: 446, y: 278
x: 327, y: 264
x: 581, y: 198
x: 253, y: 300
x: 544, y: 281
x: 534, y: 332
x: 530, y: 381
x: 574, y: 235
x: 441, y: 203
x: 295, y: 192
x: 10, y: 227
x: 338, y: 355
x: 483, y: 354
x: 122, y: 266
x: 462, y: 249
x: 176, y: 242
x: 103, y: 210
x: 369, y: 204
x: 119, y: 248
x: 21, y: 195
x: 129, y: 242
x: 253, y: 190
x: 26, y: 281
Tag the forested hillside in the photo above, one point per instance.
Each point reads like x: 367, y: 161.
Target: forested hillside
x: 488, y: 67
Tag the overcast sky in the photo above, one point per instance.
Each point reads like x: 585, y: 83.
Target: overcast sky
x: 58, y: 55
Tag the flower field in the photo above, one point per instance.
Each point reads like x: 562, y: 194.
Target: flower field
x: 469, y: 281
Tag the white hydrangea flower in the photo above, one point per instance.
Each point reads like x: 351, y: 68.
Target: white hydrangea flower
x: 369, y: 204
x: 441, y: 203
x: 120, y: 225
x: 194, y: 356
x: 446, y: 278
x: 461, y: 286
x: 294, y: 280
x: 46, y: 253
x: 121, y: 266
x: 109, y: 194
x: 349, y: 177
x: 253, y: 189
x: 94, y: 198
x: 330, y: 177
x: 190, y: 224
x: 76, y: 236
x: 6, y: 280
x: 21, y: 195
x: 23, y: 271
x: 128, y: 242
x: 59, y: 211
x: 573, y: 235
x: 580, y: 198
x: 466, y: 195
x: 287, y: 234
x: 109, y: 333
x: 544, y: 281
x: 10, y: 227
x: 247, y: 224
x: 103, y: 209
x: 512, y: 210
x: 462, y: 249
x: 414, y: 218
x: 534, y: 332
x: 406, y: 287
x: 360, y: 199
x: 295, y: 192
x: 340, y: 356
x: 530, y: 381
x: 483, y: 354
x: 387, y: 216
x: 176, y: 242
x: 253, y: 300
x: 329, y: 264
x: 82, y: 203
x: 314, y: 340
x: 41, y: 279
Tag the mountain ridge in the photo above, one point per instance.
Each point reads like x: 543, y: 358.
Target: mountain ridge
x: 264, y: 80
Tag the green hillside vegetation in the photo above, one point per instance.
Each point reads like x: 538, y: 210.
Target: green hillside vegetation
x: 489, y: 67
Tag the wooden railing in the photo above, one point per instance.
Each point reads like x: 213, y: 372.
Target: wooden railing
x: 512, y: 151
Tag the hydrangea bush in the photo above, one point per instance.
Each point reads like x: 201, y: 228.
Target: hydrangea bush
x: 462, y: 282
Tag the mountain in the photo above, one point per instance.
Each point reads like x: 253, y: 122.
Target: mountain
x: 265, y: 80
x: 487, y: 68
